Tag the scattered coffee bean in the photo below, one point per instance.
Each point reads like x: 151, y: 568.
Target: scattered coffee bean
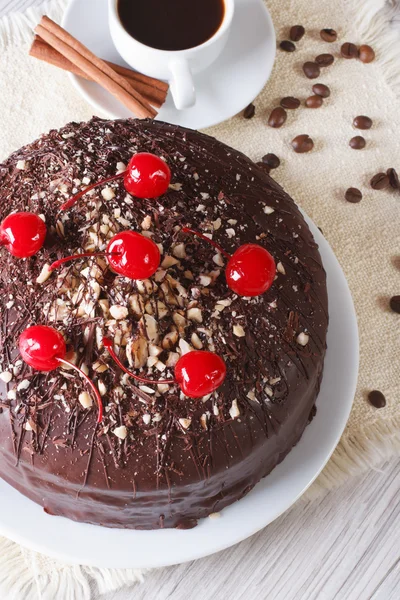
x: 249, y: 111
x: 393, y: 178
x: 277, y: 117
x: 287, y: 46
x: 395, y: 304
x: 353, y: 195
x: 380, y: 181
x: 311, y: 70
x: 366, y: 54
x: 263, y: 166
x: 321, y: 90
x: 271, y: 160
x: 328, y: 35
x: 296, y: 33
x: 314, y: 101
x: 302, y: 143
x: 349, y: 50
x: 357, y: 142
x: 324, y: 60
x: 377, y: 399
x: 362, y: 122
x: 290, y: 102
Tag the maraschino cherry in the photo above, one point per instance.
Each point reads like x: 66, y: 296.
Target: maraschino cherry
x: 147, y: 176
x: 23, y: 234
x: 128, y: 253
x: 43, y: 348
x: 197, y: 373
x: 250, y: 270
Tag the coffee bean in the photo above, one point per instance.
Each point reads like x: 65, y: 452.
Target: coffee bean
x: 314, y: 101
x: 311, y: 70
x: 324, y: 60
x: 395, y: 304
x: 357, y: 142
x: 263, y: 166
x: 353, y: 195
x: 366, y: 54
x: 271, y: 160
x: 290, y: 102
x: 393, y: 178
x: 277, y: 117
x: 321, y: 90
x: 380, y: 181
x: 287, y: 46
x: 249, y: 111
x: 349, y: 50
x: 302, y: 143
x: 377, y: 399
x: 362, y: 122
x: 296, y: 33
x: 328, y: 35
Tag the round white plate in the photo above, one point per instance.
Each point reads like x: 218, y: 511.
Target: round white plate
x: 26, y: 523
x: 223, y: 90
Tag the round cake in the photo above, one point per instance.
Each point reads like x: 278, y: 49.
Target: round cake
x: 158, y: 457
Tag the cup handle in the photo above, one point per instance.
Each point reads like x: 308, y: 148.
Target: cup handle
x: 182, y: 86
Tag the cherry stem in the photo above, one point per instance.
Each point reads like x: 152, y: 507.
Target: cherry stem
x: 62, y: 261
x: 90, y: 382
x: 69, y: 203
x: 206, y: 239
x: 109, y: 345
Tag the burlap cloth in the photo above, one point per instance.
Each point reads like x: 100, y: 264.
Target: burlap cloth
x: 35, y: 97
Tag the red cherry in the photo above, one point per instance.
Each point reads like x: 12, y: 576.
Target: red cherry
x: 129, y: 254
x: 148, y: 176
x: 133, y: 255
x: 43, y: 348
x: 250, y: 271
x: 23, y: 234
x: 199, y: 373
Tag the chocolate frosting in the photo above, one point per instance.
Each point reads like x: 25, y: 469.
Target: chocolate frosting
x: 158, y: 459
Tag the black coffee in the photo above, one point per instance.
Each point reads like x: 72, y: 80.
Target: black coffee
x: 171, y: 24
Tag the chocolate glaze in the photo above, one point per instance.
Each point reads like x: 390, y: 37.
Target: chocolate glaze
x: 162, y: 474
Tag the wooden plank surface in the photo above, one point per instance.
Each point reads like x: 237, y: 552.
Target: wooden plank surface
x: 344, y: 546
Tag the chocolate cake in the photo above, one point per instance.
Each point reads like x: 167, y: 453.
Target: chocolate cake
x: 157, y: 458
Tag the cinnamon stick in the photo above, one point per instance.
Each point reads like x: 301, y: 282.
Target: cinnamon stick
x: 94, y: 67
x: 144, y: 85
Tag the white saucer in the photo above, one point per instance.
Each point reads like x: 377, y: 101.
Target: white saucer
x: 225, y: 89
x: 26, y: 523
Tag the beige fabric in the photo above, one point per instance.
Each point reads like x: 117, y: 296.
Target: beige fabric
x: 35, y: 97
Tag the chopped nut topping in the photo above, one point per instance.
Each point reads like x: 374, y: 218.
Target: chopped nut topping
x: 185, y: 423
x: 121, y: 432
x: 303, y: 339
x: 169, y: 261
x: 6, y: 376
x: 85, y: 399
x: 268, y: 210
x: 239, y: 331
x: 108, y: 193
x: 194, y: 314
x: 118, y: 312
x: 44, y: 274
x: 234, y: 410
x: 280, y: 268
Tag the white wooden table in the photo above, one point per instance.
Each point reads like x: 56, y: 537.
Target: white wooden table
x: 344, y: 546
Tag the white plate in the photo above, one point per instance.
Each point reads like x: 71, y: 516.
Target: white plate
x: 223, y: 90
x: 26, y: 523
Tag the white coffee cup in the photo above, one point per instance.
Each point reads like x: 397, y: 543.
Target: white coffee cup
x: 177, y: 66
